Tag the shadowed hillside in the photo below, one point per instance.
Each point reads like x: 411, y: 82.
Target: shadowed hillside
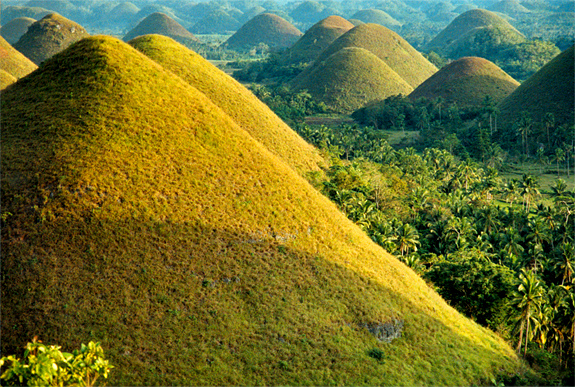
x: 387, y: 46
x: 474, y: 32
x: 161, y: 24
x: 550, y: 90
x: 316, y: 39
x: 234, y: 99
x: 48, y: 36
x: 143, y: 217
x: 15, y: 28
x: 351, y: 78
x: 467, y: 82
x: 13, y: 62
x: 265, y: 28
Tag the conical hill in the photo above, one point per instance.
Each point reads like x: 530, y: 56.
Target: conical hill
x: 388, y: 46
x: 265, y: 28
x: 233, y: 98
x: 15, y: 28
x: 458, y: 39
x: 216, y: 22
x: 509, y: 7
x: 549, y: 90
x: 13, y: 62
x: 161, y: 24
x: 136, y: 213
x: 376, y: 16
x: 467, y: 81
x: 351, y: 78
x: 316, y: 39
x: 48, y: 36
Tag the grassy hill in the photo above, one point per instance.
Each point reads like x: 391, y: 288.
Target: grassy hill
x: 387, y: 46
x: 161, y: 24
x: 468, y: 34
x: 234, y: 99
x: 48, y: 36
x: 376, y: 16
x: 467, y: 81
x: 217, y: 22
x: 316, y: 39
x: 6, y: 79
x: 13, y: 62
x: 15, y: 28
x: 14, y: 11
x: 351, y: 78
x: 138, y: 214
x: 511, y: 8
x: 549, y: 90
x: 265, y: 28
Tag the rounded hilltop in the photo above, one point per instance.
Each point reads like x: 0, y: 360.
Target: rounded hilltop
x: 376, y: 16
x: 349, y: 79
x: 267, y: 29
x: 161, y: 24
x: 467, y: 81
x: 316, y: 39
x: 460, y: 38
x: 48, y: 36
x: 15, y: 28
x: 142, y: 216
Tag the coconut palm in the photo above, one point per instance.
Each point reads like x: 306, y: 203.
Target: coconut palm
x: 529, y: 190
x: 407, y: 239
x: 565, y: 263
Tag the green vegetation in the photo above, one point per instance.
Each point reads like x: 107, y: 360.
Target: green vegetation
x: 13, y: 62
x: 15, y: 28
x: 349, y: 79
x: 467, y: 82
x: 216, y: 22
x: 48, y: 36
x: 376, y: 16
x: 48, y: 366
x: 264, y: 32
x: 162, y: 24
x: 136, y: 213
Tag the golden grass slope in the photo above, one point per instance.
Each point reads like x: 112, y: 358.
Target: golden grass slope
x: 467, y: 81
x: 162, y: 24
x: 6, y: 79
x: 549, y: 90
x: 13, y: 62
x: 316, y: 39
x: 15, y: 28
x: 48, y: 36
x: 387, y: 46
x: 351, y: 78
x: 234, y: 99
x: 138, y: 214
x: 265, y: 28
x: 462, y: 28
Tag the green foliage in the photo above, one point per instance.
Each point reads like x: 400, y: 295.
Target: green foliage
x: 270, y: 68
x: 525, y: 59
x: 376, y: 354
x: 44, y: 365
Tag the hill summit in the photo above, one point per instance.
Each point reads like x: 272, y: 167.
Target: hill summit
x: 376, y: 16
x: 267, y: 29
x: 48, y: 36
x: 15, y: 28
x: 143, y: 217
x: 316, y: 39
x: 161, y: 24
x: 467, y: 81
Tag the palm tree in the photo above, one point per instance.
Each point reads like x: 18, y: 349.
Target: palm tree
x: 524, y: 125
x: 529, y: 190
x: 407, y: 238
x: 565, y: 263
x: 527, y: 301
x: 559, y: 158
x: 510, y: 190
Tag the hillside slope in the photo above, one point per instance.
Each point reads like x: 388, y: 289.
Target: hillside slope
x: 376, y: 16
x: 316, y: 39
x: 234, y: 99
x: 143, y: 217
x: 162, y: 24
x: 387, y: 46
x: 350, y: 78
x: 467, y: 81
x: 15, y: 28
x: 13, y: 62
x: 48, y: 36
x: 6, y: 79
x: 549, y: 90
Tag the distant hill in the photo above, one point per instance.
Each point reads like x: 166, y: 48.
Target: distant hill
x: 6, y: 79
x: 14, y: 11
x: 217, y: 22
x: 124, y: 13
x: 316, y: 39
x: 48, y: 36
x: 349, y: 79
x: 474, y: 33
x: 13, y: 61
x: 509, y: 7
x: 265, y: 28
x: 234, y: 99
x: 467, y: 82
x: 549, y: 90
x: 252, y: 12
x: 15, y: 28
x: 377, y: 16
x: 310, y: 12
x: 139, y: 215
x: 388, y: 46
x: 161, y: 24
